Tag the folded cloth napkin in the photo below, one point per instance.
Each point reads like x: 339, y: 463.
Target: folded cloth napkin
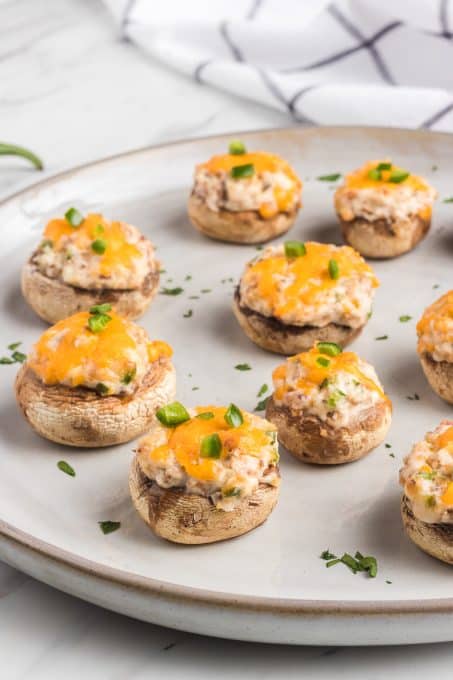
x: 350, y: 61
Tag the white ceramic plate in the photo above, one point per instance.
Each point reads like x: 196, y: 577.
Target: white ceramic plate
x: 269, y: 585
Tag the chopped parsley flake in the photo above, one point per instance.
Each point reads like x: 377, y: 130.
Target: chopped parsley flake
x: 108, y: 527
x: 206, y: 290
x: 261, y: 405
x: 404, y: 318
x: 66, y: 468
x: 243, y: 367
x: 382, y: 337
x: 263, y: 389
x: 329, y: 178
x: 413, y: 398
x: 172, y: 291
x: 359, y: 562
x: 16, y: 357
x: 188, y: 314
x: 448, y: 200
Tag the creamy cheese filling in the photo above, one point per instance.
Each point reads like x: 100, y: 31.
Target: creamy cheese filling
x: 272, y: 188
x: 435, y: 329
x: 301, y: 290
x: 97, y: 254
x: 379, y: 199
x: 112, y: 360
x: 336, y: 389
x: 427, y: 476
x: 172, y: 457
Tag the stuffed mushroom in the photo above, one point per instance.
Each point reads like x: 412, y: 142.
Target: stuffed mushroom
x: 427, y: 502
x: 205, y: 474
x: 435, y: 345
x: 328, y: 406
x: 85, y: 261
x: 384, y: 210
x: 297, y: 293
x: 244, y: 197
x: 94, y: 379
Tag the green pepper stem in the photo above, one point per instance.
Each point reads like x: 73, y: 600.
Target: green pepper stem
x: 13, y: 150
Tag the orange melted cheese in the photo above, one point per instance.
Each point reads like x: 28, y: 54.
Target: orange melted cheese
x: 79, y: 350
x: 118, y: 253
x: 315, y: 375
x: 359, y: 179
x: 437, y: 318
x: 185, y: 441
x: 310, y: 273
x: 262, y: 162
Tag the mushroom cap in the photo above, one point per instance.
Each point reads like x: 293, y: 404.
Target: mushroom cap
x: 434, y: 539
x: 378, y: 239
x: 439, y: 375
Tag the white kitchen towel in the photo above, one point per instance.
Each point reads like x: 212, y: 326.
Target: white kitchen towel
x: 374, y: 62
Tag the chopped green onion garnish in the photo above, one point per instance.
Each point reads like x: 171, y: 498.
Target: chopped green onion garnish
x: 375, y: 174
x: 107, y: 527
x: 188, y: 314
x: 329, y: 178
x: 261, y: 405
x: 101, y: 309
x: 263, y: 389
x: 206, y: 415
x: 101, y: 389
x: 99, y: 246
x: 211, y: 446
x: 74, y: 217
x: 241, y: 171
x: 448, y: 200
x: 243, y: 367
x: 295, y: 249
x: 18, y: 357
x: 324, y: 384
x: 173, y: 414
x: 97, y: 322
x: 172, y: 291
x: 329, y: 348
x: 322, y: 361
x: 382, y: 337
x: 6, y: 360
x: 405, y: 317
x: 327, y: 555
x: 236, y: 147
x: 334, y: 269
x: 14, y: 345
x: 66, y: 468
x: 14, y: 150
x: 233, y: 416
x: 129, y: 376
x: 384, y: 166
x: 398, y: 176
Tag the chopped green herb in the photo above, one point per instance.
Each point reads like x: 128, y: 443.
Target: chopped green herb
x: 260, y: 247
x: 129, y: 376
x: 384, y: 166
x: 334, y: 398
x: 172, y: 414
x: 188, y: 314
x: 236, y: 147
x: 414, y: 398
x: 205, y: 415
x: 234, y: 491
x: 101, y: 389
x: 332, y: 563
x: 398, y: 176
x: 404, y: 318
x: 263, y: 389
x: 329, y: 348
x: 194, y: 297
x: 74, y: 217
x: 233, y: 416
x: 20, y: 151
x: 334, y: 269
x: 434, y: 168
x: 295, y: 249
x: 211, y: 446
x: 382, y: 337
x: 6, y: 360
x: 172, y: 291
x: 392, y: 455
x: 388, y: 446
x: 357, y: 563
x: 194, y: 389
x: 324, y: 384
x: 18, y: 357
x: 98, y: 321
x: 448, y: 200
x: 243, y: 367
x: 261, y: 405
x: 99, y: 246
x: 206, y: 290
x: 322, y: 361
x: 108, y: 527
x: 14, y: 345
x: 101, y: 309
x: 327, y: 555
x: 242, y: 171
x: 47, y: 243
x: 436, y: 285
x: 66, y: 468
x: 375, y: 174
x: 389, y: 582
x: 329, y: 178
x: 188, y: 277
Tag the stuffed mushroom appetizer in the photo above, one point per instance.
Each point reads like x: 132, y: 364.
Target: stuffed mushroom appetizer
x: 435, y: 345
x: 94, y: 379
x: 328, y: 406
x: 205, y: 474
x: 297, y: 293
x: 384, y: 210
x: 244, y: 197
x: 85, y: 261
x: 427, y: 502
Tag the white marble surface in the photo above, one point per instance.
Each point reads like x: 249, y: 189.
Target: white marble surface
x: 73, y: 92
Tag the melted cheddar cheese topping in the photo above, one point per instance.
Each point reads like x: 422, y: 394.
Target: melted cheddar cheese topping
x: 249, y: 455
x: 118, y: 253
x: 435, y: 329
x: 116, y: 358
x: 335, y: 388
x: 427, y: 476
x: 302, y: 290
x: 270, y: 170
x: 360, y: 179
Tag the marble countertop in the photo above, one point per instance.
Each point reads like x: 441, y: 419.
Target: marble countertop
x: 73, y: 92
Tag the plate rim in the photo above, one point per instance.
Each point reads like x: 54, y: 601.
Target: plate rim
x: 201, y: 596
